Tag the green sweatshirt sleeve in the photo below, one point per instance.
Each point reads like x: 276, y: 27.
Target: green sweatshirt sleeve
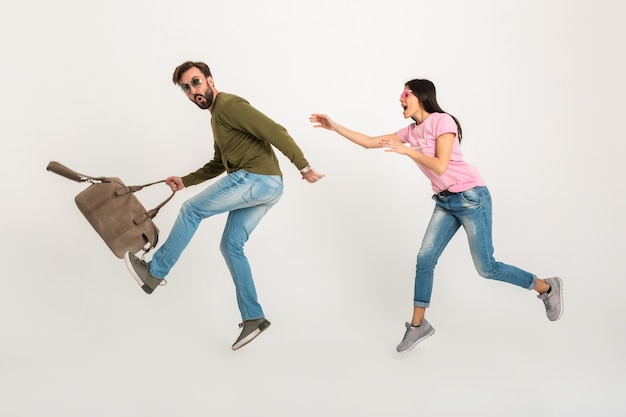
x: 241, y: 115
x: 210, y: 170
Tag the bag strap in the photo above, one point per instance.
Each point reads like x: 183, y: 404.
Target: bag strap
x: 150, y: 214
x: 64, y: 171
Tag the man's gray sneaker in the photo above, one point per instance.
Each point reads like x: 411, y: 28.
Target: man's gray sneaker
x: 553, y: 300
x: 414, y: 335
x: 251, y: 329
x: 139, y: 270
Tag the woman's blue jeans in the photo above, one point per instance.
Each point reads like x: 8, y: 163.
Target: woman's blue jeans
x: 246, y: 197
x: 472, y: 210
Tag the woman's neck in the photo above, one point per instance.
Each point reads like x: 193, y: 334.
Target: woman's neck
x: 420, y: 116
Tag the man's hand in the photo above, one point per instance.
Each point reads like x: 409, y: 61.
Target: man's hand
x: 312, y: 175
x: 175, y: 183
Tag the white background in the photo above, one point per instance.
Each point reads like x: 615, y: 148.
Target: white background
x: 538, y: 87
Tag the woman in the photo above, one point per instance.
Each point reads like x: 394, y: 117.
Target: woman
x: 461, y: 199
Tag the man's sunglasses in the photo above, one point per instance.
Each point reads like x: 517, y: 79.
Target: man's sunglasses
x: 195, y: 82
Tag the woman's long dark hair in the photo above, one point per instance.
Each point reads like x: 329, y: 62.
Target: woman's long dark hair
x: 426, y: 93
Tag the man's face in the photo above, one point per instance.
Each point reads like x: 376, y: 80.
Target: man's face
x: 196, y: 86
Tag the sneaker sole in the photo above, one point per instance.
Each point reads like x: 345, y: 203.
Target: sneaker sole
x: 249, y: 338
x: 129, y: 265
x: 419, y: 340
x: 131, y: 269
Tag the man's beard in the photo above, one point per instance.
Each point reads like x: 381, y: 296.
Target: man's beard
x: 208, y: 100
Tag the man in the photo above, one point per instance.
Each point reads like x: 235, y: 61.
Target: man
x: 243, y: 141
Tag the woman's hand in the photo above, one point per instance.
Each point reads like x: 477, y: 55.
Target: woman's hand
x: 322, y: 120
x: 393, y: 143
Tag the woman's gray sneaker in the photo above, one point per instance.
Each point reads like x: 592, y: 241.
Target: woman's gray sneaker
x: 414, y: 335
x: 553, y: 301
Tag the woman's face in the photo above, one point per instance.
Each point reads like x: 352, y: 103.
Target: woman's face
x: 409, y: 102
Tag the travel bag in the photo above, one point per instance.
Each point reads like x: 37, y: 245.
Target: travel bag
x: 114, y: 211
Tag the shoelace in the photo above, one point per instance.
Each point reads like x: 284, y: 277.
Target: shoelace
x: 547, y: 303
x: 145, y: 265
x: 408, y: 330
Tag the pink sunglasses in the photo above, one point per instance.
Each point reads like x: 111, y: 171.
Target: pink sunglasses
x: 405, y: 94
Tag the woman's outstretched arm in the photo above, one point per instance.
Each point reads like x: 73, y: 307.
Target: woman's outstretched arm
x: 324, y: 121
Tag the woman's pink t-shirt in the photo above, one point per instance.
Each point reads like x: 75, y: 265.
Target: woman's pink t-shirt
x: 459, y: 176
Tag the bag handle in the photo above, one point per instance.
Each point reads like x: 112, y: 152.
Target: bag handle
x: 64, y: 171
x: 150, y: 214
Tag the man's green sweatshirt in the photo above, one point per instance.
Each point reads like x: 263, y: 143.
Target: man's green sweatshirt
x: 243, y: 139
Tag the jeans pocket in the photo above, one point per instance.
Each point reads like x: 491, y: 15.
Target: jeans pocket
x: 265, y: 189
x: 472, y: 197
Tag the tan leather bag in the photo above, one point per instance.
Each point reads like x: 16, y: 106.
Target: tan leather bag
x: 114, y: 211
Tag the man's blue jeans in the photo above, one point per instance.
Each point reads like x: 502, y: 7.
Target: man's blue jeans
x: 472, y: 210
x: 247, y: 197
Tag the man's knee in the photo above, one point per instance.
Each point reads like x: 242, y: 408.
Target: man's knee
x: 232, y: 244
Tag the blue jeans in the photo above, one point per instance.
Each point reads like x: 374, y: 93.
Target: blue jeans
x: 472, y: 210
x: 247, y: 197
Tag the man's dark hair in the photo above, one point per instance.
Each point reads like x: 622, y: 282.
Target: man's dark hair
x: 182, y: 68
